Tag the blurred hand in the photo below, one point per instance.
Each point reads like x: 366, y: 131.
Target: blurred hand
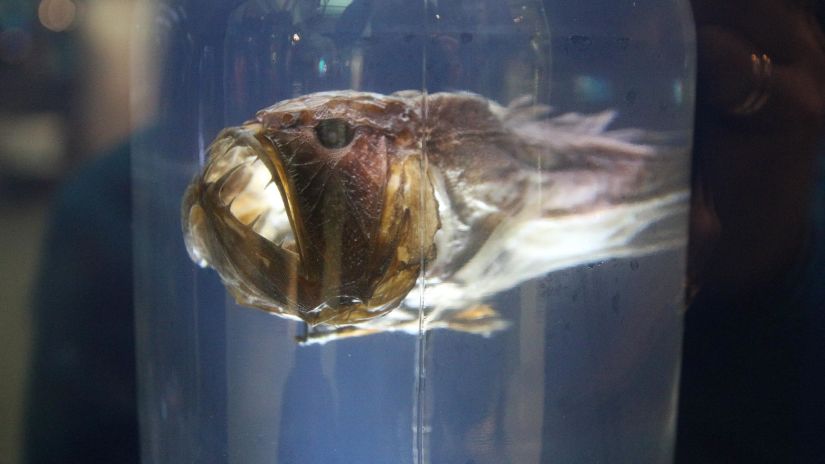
x: 754, y: 170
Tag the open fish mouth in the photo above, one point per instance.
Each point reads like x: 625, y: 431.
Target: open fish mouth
x: 238, y: 203
x: 247, y: 186
x: 245, y: 217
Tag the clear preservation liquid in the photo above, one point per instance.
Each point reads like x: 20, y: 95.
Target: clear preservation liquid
x: 573, y: 360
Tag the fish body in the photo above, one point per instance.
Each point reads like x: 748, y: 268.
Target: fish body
x: 339, y: 207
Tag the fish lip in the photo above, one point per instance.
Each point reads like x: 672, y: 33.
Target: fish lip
x: 271, y: 155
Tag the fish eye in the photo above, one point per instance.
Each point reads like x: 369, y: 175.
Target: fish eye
x: 334, y: 133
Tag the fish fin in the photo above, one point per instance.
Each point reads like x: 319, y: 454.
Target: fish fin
x: 521, y: 110
x: 479, y: 319
x: 320, y: 337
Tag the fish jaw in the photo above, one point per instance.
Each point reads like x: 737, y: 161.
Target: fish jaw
x: 247, y: 216
x: 220, y: 213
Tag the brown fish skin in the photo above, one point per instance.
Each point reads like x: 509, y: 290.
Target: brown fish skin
x: 379, y: 189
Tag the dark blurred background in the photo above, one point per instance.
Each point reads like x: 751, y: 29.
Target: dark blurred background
x: 64, y: 98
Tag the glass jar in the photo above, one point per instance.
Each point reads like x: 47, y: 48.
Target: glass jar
x: 543, y: 318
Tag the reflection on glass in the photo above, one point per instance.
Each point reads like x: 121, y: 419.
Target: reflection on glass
x: 478, y: 206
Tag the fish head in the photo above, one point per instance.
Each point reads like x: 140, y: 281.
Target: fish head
x: 319, y: 208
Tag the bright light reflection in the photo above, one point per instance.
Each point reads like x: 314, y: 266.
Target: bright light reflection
x: 678, y: 92
x: 592, y: 88
x: 56, y: 15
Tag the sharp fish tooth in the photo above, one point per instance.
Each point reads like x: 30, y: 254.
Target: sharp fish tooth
x: 254, y: 224
x: 289, y: 245
x: 225, y: 182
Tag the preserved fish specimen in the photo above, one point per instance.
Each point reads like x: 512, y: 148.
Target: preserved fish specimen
x: 339, y: 207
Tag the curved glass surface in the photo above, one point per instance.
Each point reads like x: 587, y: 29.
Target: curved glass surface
x: 523, y: 295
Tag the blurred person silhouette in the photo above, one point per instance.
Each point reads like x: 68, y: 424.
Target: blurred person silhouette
x: 80, y: 397
x: 81, y: 402
x: 754, y: 351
